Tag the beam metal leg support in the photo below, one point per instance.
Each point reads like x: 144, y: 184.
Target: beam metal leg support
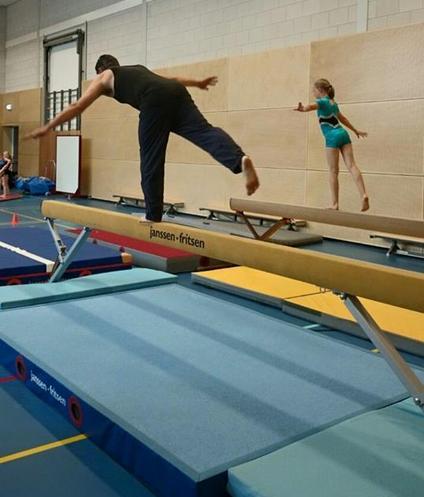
x: 60, y: 246
x: 379, y: 338
x: 65, y: 257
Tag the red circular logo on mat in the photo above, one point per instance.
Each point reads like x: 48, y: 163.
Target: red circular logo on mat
x: 75, y: 411
x: 21, y: 369
x: 14, y: 281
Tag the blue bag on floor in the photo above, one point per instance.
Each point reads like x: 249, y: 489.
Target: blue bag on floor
x: 35, y: 185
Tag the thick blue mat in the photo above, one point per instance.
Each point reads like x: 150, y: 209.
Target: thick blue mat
x: 204, y: 383
x: 12, y: 264
x: 378, y: 454
x: 19, y: 429
x: 80, y: 469
x: 40, y: 242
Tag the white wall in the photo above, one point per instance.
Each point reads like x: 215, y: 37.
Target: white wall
x: 122, y: 34
x: 22, y: 67
x: 391, y: 13
x: 185, y: 31
x: 22, y: 18
x: 168, y: 32
x: 55, y: 11
x: 2, y: 47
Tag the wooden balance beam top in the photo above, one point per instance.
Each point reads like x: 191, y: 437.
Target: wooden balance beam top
x: 383, y: 284
x: 399, y: 226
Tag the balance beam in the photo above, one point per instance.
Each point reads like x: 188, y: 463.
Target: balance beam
x: 384, y: 284
x: 348, y: 277
x: 398, y: 226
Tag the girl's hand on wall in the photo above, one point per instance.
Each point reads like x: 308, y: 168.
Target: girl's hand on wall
x: 204, y: 84
x: 361, y: 134
x: 300, y: 107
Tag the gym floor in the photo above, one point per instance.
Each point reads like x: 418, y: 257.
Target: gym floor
x: 49, y: 458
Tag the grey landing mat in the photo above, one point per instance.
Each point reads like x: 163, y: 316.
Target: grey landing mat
x: 97, y: 284
x: 204, y: 383
x: 378, y: 454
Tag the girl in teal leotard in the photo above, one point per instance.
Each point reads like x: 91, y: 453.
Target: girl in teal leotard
x: 337, y: 139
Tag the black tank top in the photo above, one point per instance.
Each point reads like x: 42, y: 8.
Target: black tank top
x: 141, y: 88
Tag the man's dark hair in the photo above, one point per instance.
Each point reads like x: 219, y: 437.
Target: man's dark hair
x: 106, y: 62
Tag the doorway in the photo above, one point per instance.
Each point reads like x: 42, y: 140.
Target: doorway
x: 11, y: 144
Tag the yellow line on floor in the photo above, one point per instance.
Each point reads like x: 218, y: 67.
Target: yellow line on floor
x: 42, y: 448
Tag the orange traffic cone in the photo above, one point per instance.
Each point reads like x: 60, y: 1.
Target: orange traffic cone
x: 15, y: 219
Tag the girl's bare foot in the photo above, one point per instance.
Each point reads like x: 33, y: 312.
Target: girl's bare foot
x: 365, y: 204
x: 334, y: 207
x: 252, y: 181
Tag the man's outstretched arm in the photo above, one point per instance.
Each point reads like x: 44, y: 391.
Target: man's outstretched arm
x: 203, y: 84
x: 96, y: 89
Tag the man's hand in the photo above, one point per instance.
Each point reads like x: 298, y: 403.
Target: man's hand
x: 204, y: 84
x: 38, y: 133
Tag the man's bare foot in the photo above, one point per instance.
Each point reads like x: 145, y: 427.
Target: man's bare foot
x: 365, y: 204
x: 252, y: 181
x: 144, y: 220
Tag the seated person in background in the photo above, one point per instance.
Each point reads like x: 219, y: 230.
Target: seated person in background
x: 5, y: 170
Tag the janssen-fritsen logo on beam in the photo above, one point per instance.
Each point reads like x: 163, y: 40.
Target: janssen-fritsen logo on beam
x: 182, y: 238
x: 42, y: 385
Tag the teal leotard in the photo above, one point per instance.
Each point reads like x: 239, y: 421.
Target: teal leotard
x: 335, y: 135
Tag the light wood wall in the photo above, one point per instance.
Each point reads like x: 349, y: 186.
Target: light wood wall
x: 378, y: 79
x: 26, y: 114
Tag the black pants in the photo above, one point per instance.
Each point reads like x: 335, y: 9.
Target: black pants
x: 181, y: 116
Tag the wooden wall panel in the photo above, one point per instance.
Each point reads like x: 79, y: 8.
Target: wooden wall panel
x: 13, y: 116
x: 216, y: 98
x: 274, y: 138
x: 373, y: 66
x: 28, y: 146
x: 396, y: 137
x: 106, y: 108
x: 203, y: 186
x: 105, y: 178
x: 28, y: 165
x: 378, y: 78
x: 29, y: 102
x: 26, y: 107
x: 398, y: 196
x: 271, y: 137
x: 114, y: 138
x: 26, y: 114
x: 273, y: 79
x: 182, y: 151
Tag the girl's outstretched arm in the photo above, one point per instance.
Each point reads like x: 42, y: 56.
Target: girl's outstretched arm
x: 344, y: 120
x: 306, y: 108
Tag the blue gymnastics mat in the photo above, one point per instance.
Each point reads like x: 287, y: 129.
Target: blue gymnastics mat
x: 38, y: 241
x: 26, y: 422
x: 87, y: 286
x: 201, y: 385
x: 378, y: 454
